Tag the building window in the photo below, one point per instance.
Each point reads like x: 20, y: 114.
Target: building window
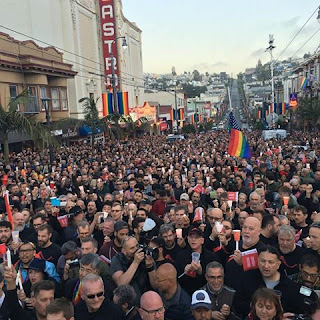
x: 64, y: 99
x: 55, y: 99
x: 43, y: 95
x: 13, y: 94
x: 32, y: 106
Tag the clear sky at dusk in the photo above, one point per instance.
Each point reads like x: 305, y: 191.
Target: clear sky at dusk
x: 214, y: 36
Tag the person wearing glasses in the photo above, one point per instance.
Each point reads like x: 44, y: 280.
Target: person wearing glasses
x: 308, y: 275
x: 94, y: 305
x: 151, y: 306
x: 221, y: 296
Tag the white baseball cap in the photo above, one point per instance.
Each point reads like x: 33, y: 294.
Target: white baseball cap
x: 200, y: 298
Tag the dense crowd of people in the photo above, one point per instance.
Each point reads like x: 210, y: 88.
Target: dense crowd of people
x: 152, y: 229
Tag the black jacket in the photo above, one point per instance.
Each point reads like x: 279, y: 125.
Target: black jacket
x: 178, y: 307
x: 108, y: 310
x: 233, y: 272
x: 291, y: 299
x: 193, y: 282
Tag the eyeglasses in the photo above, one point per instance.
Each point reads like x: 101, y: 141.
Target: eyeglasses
x: 306, y: 275
x: 98, y: 295
x: 154, y: 312
x: 26, y: 250
x: 215, y: 277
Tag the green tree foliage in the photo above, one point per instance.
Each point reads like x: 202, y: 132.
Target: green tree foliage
x: 192, y: 91
x: 308, y: 112
x: 12, y: 120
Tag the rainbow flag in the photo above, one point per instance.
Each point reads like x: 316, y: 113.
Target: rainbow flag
x: 283, y: 108
x: 172, y: 115
x: 123, y: 103
x: 238, y: 146
x: 259, y: 114
x: 303, y: 84
x: 181, y: 114
x: 107, y: 100
x: 271, y: 108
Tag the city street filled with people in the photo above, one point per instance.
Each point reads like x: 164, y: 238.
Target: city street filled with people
x: 153, y: 229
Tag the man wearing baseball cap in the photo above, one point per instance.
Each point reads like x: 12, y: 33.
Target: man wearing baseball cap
x: 201, y: 305
x: 192, y: 261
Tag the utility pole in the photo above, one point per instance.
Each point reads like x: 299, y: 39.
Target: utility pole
x: 270, y: 49
x: 176, y: 110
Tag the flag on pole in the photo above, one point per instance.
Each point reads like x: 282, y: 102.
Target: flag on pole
x: 172, y: 115
x: 303, y: 84
x: 123, y: 103
x: 233, y: 122
x: 8, y: 208
x: 107, y: 100
x: 238, y: 146
x: 181, y: 114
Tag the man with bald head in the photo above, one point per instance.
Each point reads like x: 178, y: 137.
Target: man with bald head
x: 211, y: 235
x: 175, y: 300
x: 250, y: 240
x: 151, y: 306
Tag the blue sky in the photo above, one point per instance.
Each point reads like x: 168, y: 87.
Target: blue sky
x: 214, y: 36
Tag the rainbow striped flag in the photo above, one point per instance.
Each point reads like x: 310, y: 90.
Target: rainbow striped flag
x: 303, y: 84
x: 283, y: 108
x: 259, y: 114
x: 271, y: 108
x: 181, y: 114
x: 107, y: 99
x: 172, y: 115
x: 238, y: 146
x: 123, y: 103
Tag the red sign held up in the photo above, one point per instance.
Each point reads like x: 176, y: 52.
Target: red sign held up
x: 233, y: 196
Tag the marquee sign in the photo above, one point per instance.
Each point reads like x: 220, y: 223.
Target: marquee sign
x: 109, y: 44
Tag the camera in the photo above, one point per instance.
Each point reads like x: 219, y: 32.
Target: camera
x: 74, y: 263
x: 301, y: 317
x: 231, y: 185
x: 152, y: 252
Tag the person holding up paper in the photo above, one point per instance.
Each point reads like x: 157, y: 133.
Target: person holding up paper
x: 250, y: 240
x: 192, y: 260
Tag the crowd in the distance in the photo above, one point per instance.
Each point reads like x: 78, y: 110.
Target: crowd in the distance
x: 150, y: 229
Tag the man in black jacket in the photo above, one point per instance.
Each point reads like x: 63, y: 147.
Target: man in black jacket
x: 191, y: 272
x: 268, y: 275
x: 175, y: 300
x: 94, y: 305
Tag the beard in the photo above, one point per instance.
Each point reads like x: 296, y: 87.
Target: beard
x: 19, y: 228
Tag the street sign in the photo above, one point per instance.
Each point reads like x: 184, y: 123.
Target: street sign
x: 293, y: 103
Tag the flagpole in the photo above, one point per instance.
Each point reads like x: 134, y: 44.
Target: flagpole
x: 230, y: 103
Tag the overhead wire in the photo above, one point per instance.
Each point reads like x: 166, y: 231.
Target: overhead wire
x: 317, y: 8
x: 64, y: 50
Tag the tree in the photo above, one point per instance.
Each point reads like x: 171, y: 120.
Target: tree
x: 308, y: 111
x: 12, y: 120
x: 196, y: 75
x: 262, y: 72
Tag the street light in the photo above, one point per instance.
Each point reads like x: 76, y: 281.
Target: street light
x: 45, y: 106
x: 114, y: 92
x: 270, y: 49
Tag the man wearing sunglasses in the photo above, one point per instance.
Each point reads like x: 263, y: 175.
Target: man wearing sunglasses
x: 93, y: 304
